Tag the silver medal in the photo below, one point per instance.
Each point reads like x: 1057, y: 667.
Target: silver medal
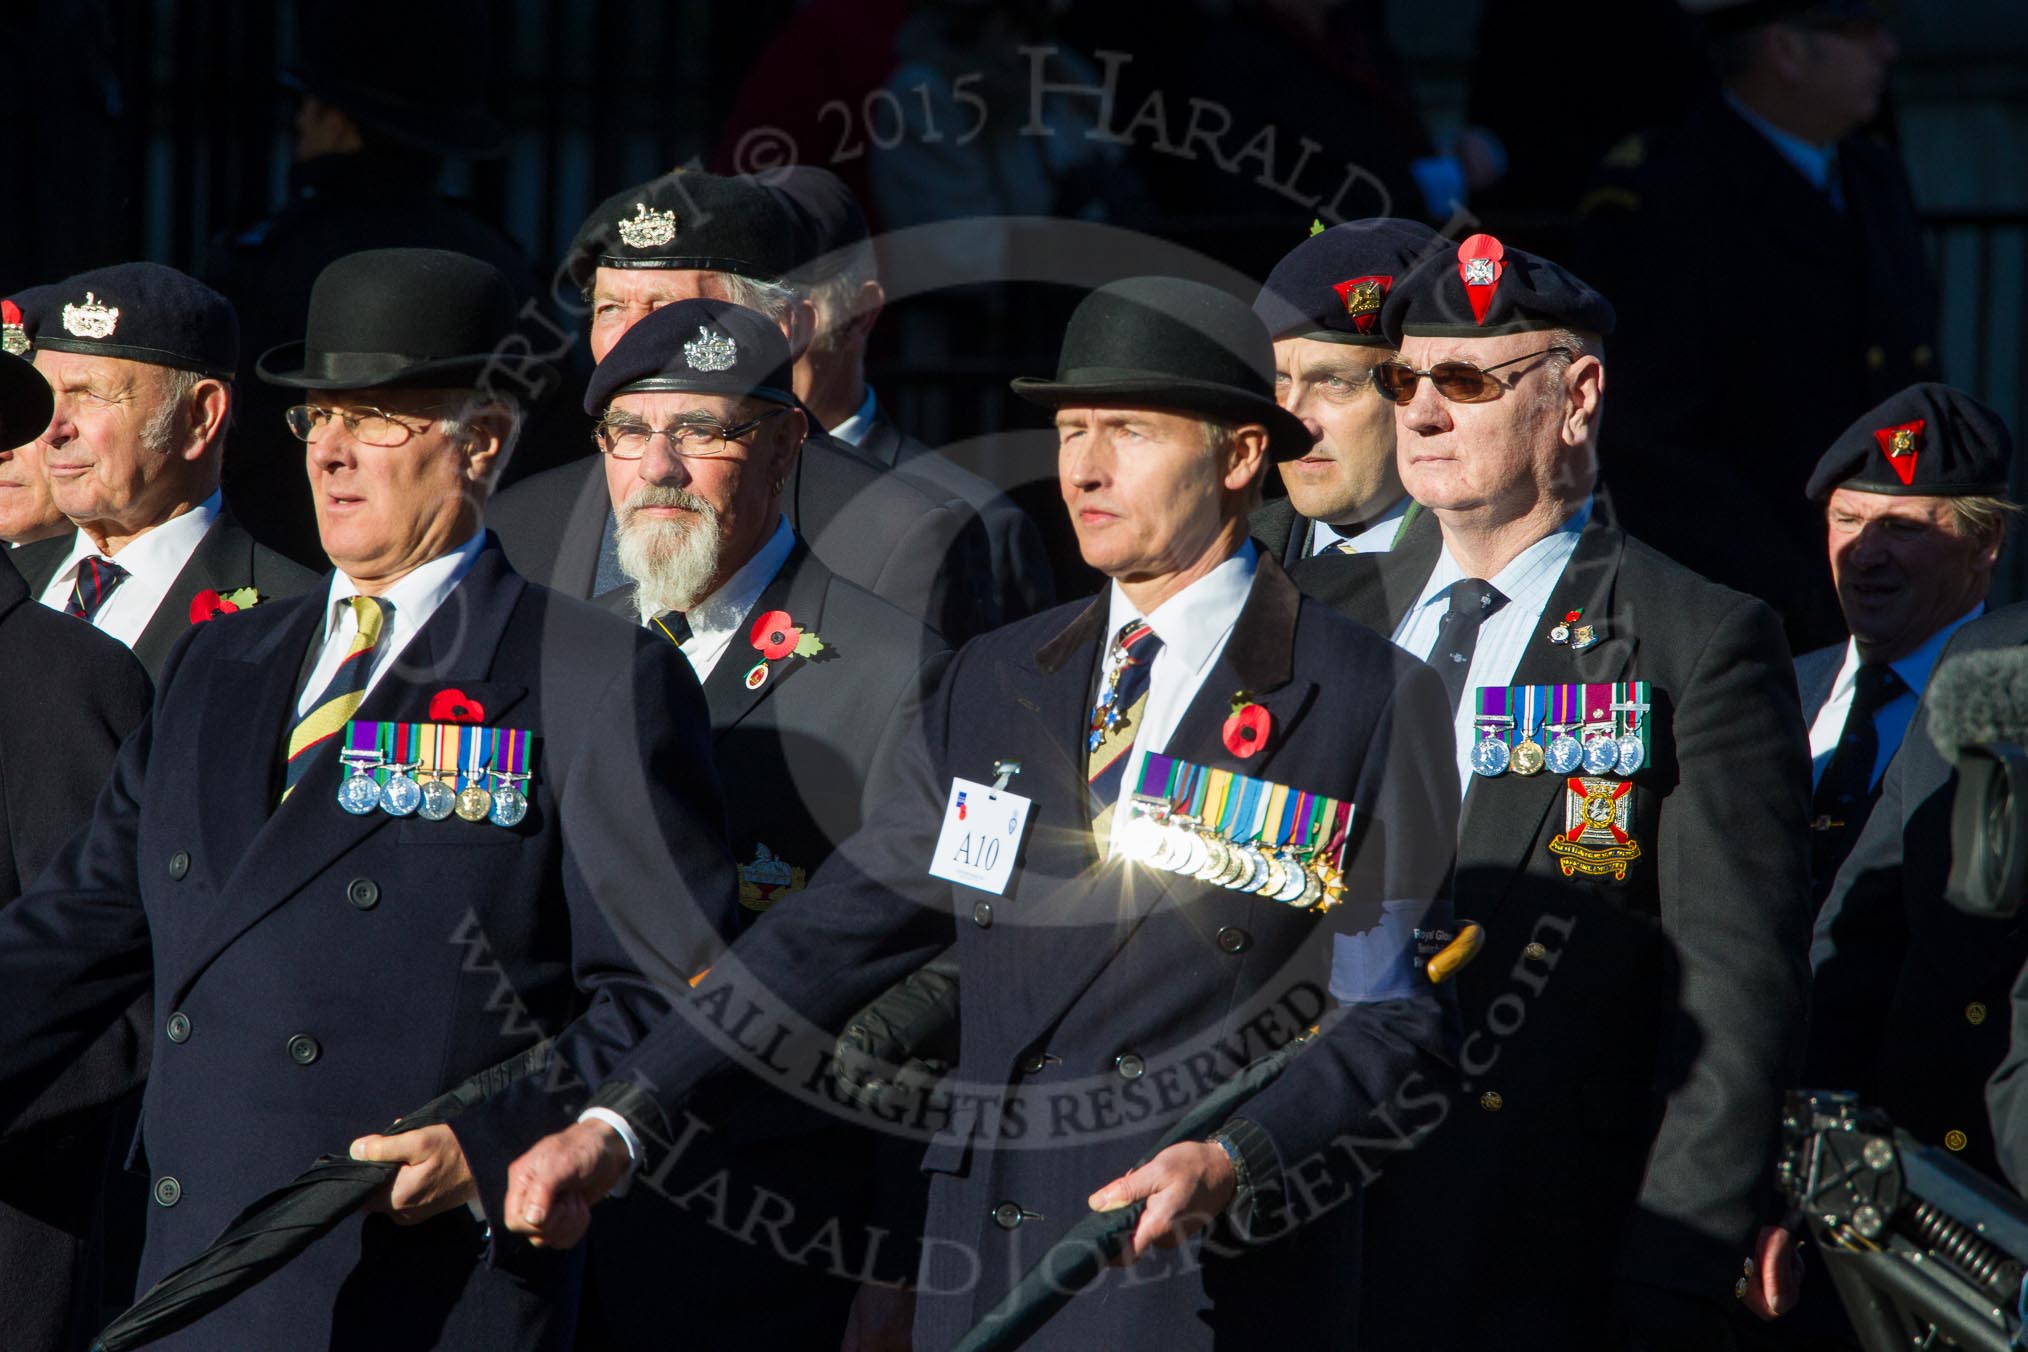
x: 438, y: 801
x: 510, y: 805
x: 1565, y: 754
x: 359, y: 794
x: 1601, y: 754
x: 1633, y: 755
x: 401, y: 797
x: 1490, y: 756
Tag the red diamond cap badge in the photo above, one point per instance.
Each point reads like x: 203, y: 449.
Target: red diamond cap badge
x: 1481, y: 263
x: 1901, y: 445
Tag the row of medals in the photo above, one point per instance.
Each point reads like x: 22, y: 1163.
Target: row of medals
x: 1598, y: 754
x: 1181, y: 846
x: 432, y: 799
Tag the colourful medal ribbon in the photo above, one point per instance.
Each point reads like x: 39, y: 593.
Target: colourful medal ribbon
x: 362, y: 740
x: 1341, y: 825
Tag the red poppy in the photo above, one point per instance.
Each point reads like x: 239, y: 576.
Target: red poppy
x: 1246, y: 732
x: 452, y: 705
x: 208, y: 603
x: 775, y: 634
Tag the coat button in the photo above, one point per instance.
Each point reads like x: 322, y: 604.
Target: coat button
x: 982, y: 914
x: 1032, y: 1063
x: 1491, y: 1101
x: 363, y: 893
x: 303, y: 1049
x: 1007, y: 1215
x: 1955, y: 1139
x: 179, y: 1027
x: 1234, y: 940
x: 168, y: 1192
x: 1975, y: 1013
x: 179, y: 864
x: 1535, y: 952
x: 1130, y: 1066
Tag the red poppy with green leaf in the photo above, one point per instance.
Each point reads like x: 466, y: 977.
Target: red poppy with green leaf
x: 776, y: 635
x: 1247, y: 730
x: 209, y: 604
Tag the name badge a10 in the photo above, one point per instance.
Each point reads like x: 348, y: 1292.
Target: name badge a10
x: 437, y: 771
x: 980, y: 837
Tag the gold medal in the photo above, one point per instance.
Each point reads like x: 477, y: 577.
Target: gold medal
x: 1528, y: 758
x: 474, y: 803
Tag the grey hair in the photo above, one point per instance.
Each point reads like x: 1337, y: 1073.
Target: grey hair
x: 776, y: 300
x: 1983, y: 517
x: 170, y: 421
x: 837, y: 290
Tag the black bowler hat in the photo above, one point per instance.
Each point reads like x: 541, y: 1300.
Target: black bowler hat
x: 1175, y: 345
x: 701, y: 345
x: 403, y: 317
x: 1332, y: 286
x: 1483, y: 289
x: 142, y: 312
x: 690, y: 220
x: 25, y: 402
x: 415, y: 75
x: 1927, y: 441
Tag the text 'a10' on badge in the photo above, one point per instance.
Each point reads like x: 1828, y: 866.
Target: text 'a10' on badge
x: 980, y: 836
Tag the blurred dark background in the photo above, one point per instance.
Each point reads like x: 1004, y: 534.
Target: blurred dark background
x: 161, y: 129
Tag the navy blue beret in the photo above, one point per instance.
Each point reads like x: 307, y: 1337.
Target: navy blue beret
x: 691, y: 220
x: 701, y: 345
x: 1332, y: 286
x: 142, y: 312
x: 1484, y: 289
x: 1929, y: 441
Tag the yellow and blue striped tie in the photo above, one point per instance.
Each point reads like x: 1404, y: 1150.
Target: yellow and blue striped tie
x: 340, y: 700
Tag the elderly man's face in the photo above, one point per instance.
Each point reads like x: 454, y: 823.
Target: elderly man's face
x: 1502, y: 457
x: 1902, y: 569
x: 108, y: 451
x: 688, y: 522
x: 383, y: 511
x: 1147, y: 496
x: 27, y: 512
x: 623, y: 297
x: 1349, y: 472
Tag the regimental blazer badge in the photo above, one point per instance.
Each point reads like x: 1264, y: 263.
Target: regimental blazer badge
x: 647, y: 229
x: 91, y: 319
x: 1597, y: 834
x: 767, y: 879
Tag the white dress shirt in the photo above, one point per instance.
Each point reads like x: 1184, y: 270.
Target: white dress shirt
x: 152, y: 560
x: 1375, y: 537
x: 415, y: 598
x: 854, y: 429
x: 721, y: 618
x: 1526, y: 582
x: 1890, y: 720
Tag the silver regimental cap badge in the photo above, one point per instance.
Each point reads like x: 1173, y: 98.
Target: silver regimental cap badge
x: 91, y: 319
x: 710, y: 351
x: 647, y: 229
x: 13, y: 332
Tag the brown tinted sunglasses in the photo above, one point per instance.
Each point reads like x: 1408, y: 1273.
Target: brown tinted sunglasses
x: 1458, y: 381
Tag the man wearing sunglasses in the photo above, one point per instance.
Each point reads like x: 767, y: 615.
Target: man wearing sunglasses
x: 141, y: 359
x: 1322, y: 305
x: 809, y: 681
x: 342, y: 893
x: 1637, y: 1011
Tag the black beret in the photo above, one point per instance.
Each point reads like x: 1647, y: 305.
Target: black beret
x: 1485, y: 289
x: 25, y: 402
x: 830, y: 216
x: 702, y: 345
x: 21, y: 314
x: 1332, y: 285
x: 143, y: 312
x: 1927, y: 441
x: 691, y: 220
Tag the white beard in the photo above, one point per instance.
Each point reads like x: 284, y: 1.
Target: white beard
x: 671, y: 562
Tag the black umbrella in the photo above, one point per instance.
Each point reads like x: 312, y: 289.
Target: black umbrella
x: 285, y: 1222
x: 1073, y: 1262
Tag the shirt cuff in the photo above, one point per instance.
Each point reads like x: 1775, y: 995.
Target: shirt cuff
x: 627, y: 1139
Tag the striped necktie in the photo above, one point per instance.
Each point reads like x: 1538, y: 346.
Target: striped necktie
x: 95, y: 581
x: 1116, y: 719
x: 334, y: 708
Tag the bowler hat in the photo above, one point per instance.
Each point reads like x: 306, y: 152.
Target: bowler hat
x: 25, y: 403
x: 405, y: 317
x: 1171, y: 344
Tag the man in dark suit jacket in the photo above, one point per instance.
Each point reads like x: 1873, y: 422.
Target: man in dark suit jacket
x: 797, y: 737
x: 142, y: 360
x: 322, y: 966
x: 691, y: 234
x: 55, y: 748
x: 1322, y: 305
x: 1101, y: 994
x: 1775, y: 189
x: 1635, y: 1015
x: 1914, y: 493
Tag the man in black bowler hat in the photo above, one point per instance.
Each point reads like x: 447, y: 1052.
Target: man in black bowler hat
x: 526, y: 847
x: 1631, y: 839
x: 690, y: 234
x: 1915, y: 500
x: 71, y: 696
x: 141, y: 359
x: 1322, y: 305
x: 1102, y: 995
x: 1776, y: 193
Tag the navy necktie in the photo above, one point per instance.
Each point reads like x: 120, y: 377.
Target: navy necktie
x: 1472, y: 601
x: 1839, y: 805
x: 96, y: 580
